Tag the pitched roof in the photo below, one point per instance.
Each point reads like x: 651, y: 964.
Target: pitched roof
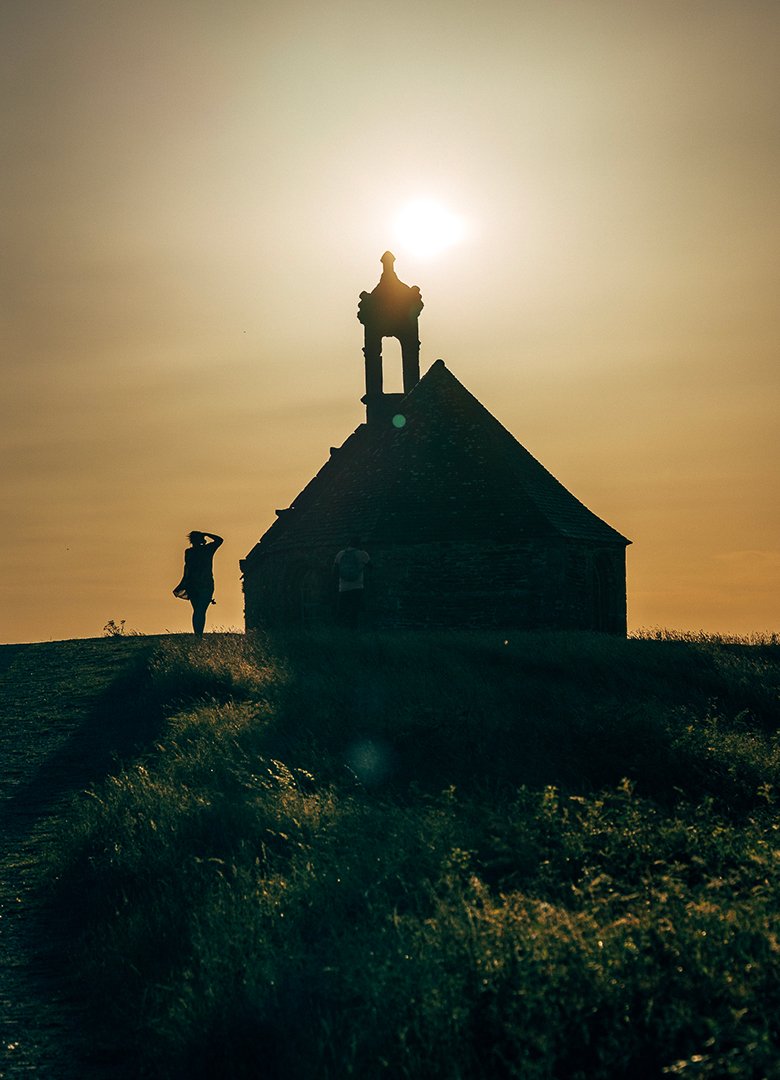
x: 451, y: 472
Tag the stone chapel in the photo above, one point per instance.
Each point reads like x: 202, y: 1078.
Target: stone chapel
x: 465, y: 528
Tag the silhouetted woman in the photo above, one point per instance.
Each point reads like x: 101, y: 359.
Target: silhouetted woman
x: 197, y: 584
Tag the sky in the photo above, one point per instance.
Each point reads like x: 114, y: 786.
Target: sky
x: 194, y: 193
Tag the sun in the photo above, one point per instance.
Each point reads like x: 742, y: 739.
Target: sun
x: 425, y: 228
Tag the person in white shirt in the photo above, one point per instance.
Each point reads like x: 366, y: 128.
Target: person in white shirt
x: 349, y: 566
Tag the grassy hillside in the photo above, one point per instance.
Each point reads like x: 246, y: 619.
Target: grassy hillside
x: 451, y: 856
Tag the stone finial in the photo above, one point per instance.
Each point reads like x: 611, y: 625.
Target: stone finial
x: 391, y: 308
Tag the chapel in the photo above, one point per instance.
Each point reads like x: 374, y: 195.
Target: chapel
x: 464, y: 527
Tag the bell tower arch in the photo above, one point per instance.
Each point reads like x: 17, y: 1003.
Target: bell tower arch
x: 391, y: 309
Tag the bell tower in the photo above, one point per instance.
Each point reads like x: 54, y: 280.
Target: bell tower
x: 390, y: 310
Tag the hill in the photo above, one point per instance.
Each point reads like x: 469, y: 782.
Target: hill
x: 452, y: 855
x: 62, y: 725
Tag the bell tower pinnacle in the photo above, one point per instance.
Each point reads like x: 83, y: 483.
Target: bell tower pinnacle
x: 392, y: 309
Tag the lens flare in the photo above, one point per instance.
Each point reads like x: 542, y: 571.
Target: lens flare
x: 369, y: 760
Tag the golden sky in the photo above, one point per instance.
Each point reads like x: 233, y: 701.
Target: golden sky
x: 195, y: 192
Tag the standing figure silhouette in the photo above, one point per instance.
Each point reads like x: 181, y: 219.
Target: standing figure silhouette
x: 197, y: 584
x: 348, y: 568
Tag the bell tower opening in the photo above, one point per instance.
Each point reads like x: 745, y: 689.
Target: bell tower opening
x: 392, y: 367
x: 392, y: 309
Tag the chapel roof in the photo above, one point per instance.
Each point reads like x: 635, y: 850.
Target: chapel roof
x: 451, y: 472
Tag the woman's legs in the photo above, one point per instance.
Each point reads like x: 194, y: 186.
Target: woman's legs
x: 199, y: 609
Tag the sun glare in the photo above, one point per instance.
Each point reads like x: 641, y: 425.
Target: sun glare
x: 426, y: 228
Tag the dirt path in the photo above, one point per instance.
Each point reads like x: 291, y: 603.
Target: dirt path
x: 62, y: 723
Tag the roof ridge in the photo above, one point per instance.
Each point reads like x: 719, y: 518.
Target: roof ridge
x: 452, y: 469
x: 504, y: 433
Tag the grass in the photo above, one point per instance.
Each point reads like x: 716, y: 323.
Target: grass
x: 451, y: 856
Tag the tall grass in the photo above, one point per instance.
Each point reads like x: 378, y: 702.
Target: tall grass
x: 452, y: 855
